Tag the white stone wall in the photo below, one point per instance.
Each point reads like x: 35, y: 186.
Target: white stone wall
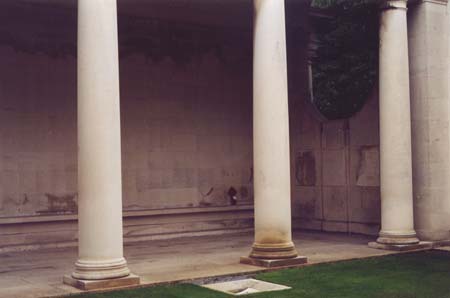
x: 336, y: 172
x: 186, y: 140
x: 37, y: 134
x: 186, y: 133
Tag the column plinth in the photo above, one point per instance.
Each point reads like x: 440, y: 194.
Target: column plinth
x: 397, y: 219
x: 273, y: 244
x: 100, y: 243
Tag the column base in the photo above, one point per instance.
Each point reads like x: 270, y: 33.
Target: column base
x: 273, y: 251
x: 86, y: 285
x: 298, y: 260
x: 399, y: 241
x: 401, y: 247
x: 392, y: 238
x: 100, y: 270
x: 274, y: 255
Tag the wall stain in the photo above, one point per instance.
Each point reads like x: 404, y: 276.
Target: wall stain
x: 25, y: 199
x: 243, y: 192
x: 60, y: 204
x: 307, y: 209
x: 305, y: 169
x: 368, y: 170
x: 204, y: 201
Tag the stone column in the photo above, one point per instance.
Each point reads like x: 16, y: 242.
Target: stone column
x: 397, y: 221
x: 273, y: 244
x: 428, y: 30
x: 99, y: 150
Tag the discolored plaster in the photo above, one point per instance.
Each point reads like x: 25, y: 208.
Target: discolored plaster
x: 57, y: 204
x: 305, y: 168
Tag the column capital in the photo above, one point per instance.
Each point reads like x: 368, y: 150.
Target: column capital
x: 394, y: 4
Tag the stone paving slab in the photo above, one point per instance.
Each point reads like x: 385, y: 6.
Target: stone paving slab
x: 39, y: 273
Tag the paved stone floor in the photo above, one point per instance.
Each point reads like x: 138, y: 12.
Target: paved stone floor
x: 39, y: 273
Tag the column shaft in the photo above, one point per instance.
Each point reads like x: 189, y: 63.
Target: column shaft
x: 99, y: 144
x: 273, y: 238
x: 397, y: 222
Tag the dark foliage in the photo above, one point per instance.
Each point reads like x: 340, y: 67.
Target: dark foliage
x: 345, y: 67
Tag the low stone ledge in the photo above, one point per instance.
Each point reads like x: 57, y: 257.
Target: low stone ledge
x: 126, y: 214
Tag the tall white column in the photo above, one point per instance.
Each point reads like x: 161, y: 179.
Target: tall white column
x: 428, y: 31
x: 397, y: 221
x: 99, y: 144
x: 272, y: 180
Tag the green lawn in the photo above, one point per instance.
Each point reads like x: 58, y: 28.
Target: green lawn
x: 415, y: 275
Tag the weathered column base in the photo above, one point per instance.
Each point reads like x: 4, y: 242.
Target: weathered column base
x: 402, y: 247
x: 98, y: 270
x: 274, y: 255
x: 94, y: 275
x: 274, y: 251
x: 399, y: 241
x: 86, y: 285
x: 398, y: 238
